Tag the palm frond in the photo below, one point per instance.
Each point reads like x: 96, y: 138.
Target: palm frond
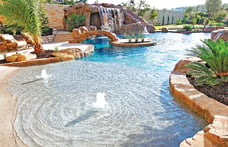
x: 24, y: 13
x: 215, y: 54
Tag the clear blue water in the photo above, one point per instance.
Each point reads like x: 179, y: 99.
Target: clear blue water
x: 162, y: 57
x: 139, y: 110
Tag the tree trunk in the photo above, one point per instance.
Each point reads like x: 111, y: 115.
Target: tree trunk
x: 38, y: 49
x: 205, y: 24
x: 37, y: 44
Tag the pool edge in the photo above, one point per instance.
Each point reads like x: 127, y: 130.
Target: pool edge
x: 8, y: 105
x: 216, y: 113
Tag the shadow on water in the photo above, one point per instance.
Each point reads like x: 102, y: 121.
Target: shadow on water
x: 29, y: 82
x: 88, y: 114
x: 183, y: 123
x: 151, y: 137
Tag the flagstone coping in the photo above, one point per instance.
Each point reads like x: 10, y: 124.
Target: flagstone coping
x: 216, y: 113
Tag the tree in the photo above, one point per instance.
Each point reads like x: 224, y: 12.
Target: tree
x: 75, y: 21
x: 213, y: 7
x: 139, y: 7
x: 153, y: 14
x: 193, y: 15
x: 172, y: 21
x: 178, y: 21
x: 163, y: 20
x: 130, y: 5
x: 220, y: 16
x: 142, y: 7
x: 83, y: 1
x: 168, y: 20
x: 194, y: 20
x: 24, y: 13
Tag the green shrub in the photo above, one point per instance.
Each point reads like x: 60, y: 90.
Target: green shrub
x: 215, y: 54
x: 10, y: 29
x: 187, y: 28
x: 75, y: 21
x: 46, y: 31
x: 220, y: 24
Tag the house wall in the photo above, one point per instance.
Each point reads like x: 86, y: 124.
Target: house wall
x: 168, y: 13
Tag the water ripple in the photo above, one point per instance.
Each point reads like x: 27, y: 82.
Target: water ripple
x: 61, y: 112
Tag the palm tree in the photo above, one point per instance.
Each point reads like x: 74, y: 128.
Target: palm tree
x: 24, y: 13
x: 215, y: 55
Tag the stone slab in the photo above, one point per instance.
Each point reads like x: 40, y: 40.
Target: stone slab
x: 216, y: 113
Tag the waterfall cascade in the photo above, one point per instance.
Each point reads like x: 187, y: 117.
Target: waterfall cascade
x: 111, y: 18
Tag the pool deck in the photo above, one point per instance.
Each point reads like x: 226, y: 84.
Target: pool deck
x: 8, y: 135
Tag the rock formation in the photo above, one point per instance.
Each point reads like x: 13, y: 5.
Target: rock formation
x: 109, y: 17
x: 82, y: 33
x: 220, y: 34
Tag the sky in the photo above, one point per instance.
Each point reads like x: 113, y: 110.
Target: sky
x: 161, y: 4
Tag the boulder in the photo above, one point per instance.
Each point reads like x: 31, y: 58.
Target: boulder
x: 76, y: 33
x: 164, y: 30
x: 210, y: 29
x: 65, y: 52
x: 91, y: 28
x: 21, y: 57
x: 180, y: 66
x: 83, y: 29
x: 117, y: 15
x: 11, y: 58
x: 220, y: 34
x: 16, y: 57
x: 150, y: 28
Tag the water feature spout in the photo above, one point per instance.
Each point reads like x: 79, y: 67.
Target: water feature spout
x: 100, y: 103
x: 44, y: 74
x: 100, y: 100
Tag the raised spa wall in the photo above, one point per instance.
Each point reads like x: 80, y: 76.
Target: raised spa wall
x: 216, y: 113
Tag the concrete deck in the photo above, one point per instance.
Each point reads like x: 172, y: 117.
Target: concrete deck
x: 64, y: 45
x: 8, y: 135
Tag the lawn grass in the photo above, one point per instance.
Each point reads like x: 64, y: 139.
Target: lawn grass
x: 173, y: 26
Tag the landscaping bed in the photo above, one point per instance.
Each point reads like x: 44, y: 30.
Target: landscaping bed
x: 218, y: 92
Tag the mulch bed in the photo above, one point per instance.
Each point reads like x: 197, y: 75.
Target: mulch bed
x: 218, y: 92
x: 45, y: 54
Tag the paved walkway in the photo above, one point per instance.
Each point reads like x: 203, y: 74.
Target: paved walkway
x: 64, y: 45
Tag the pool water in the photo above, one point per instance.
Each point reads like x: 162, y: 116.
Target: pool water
x: 139, y: 111
x: 162, y: 57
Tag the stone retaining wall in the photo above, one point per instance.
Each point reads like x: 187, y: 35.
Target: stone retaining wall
x: 62, y: 55
x: 49, y: 38
x: 216, y: 113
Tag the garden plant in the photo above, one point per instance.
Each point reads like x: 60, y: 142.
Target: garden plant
x: 215, y: 69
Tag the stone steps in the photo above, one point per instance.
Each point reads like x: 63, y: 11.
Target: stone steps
x: 63, y: 36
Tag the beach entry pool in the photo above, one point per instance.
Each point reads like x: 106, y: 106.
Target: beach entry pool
x: 115, y: 97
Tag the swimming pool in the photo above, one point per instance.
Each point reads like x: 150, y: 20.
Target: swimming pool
x: 139, y: 110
